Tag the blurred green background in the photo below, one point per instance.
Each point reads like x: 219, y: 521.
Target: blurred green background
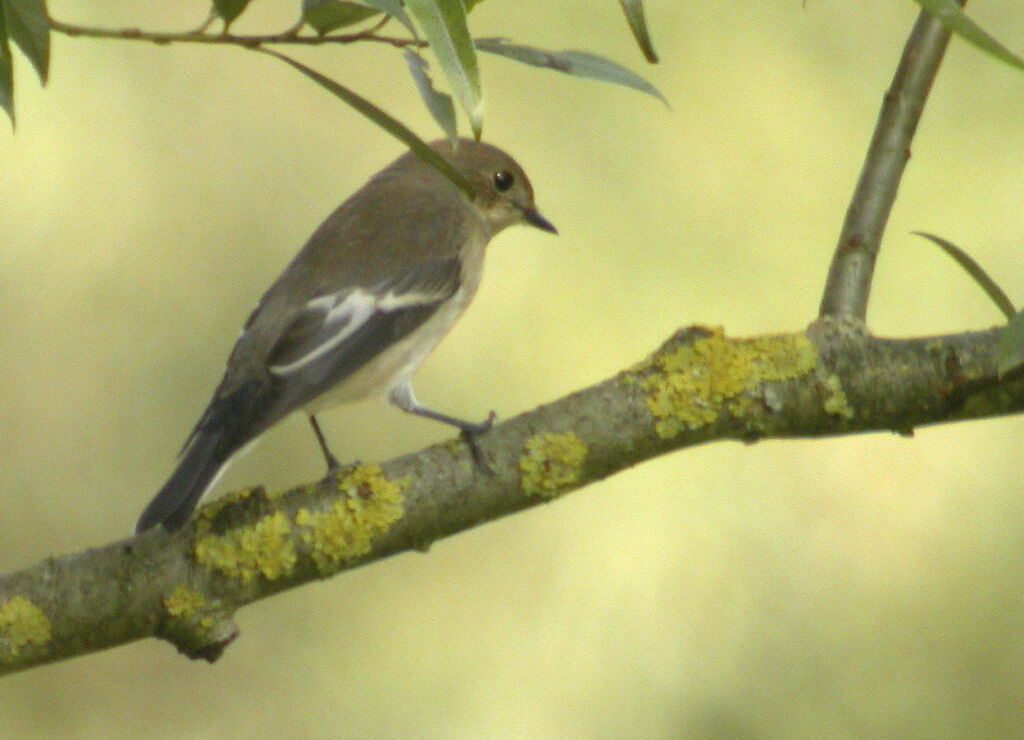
x: 858, y: 587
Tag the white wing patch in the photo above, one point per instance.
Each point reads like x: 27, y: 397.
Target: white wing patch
x: 340, y: 315
x: 331, y: 319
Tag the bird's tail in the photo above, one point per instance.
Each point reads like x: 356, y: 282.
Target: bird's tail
x: 197, y: 471
x: 228, y: 424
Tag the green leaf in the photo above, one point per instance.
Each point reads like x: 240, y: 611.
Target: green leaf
x: 954, y: 18
x: 975, y: 271
x: 634, y: 10
x: 29, y: 27
x: 1011, y: 345
x: 439, y: 104
x: 327, y: 15
x: 395, y: 10
x: 470, y: 4
x: 578, y: 63
x: 444, y: 24
x: 392, y: 125
x: 6, y: 71
x: 228, y: 10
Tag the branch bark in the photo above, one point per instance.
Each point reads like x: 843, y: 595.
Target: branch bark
x: 853, y: 263
x: 700, y: 386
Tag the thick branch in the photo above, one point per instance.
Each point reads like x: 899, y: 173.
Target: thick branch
x: 699, y: 387
x: 853, y: 263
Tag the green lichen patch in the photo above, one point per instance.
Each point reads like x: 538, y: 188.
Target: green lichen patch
x: 695, y: 383
x: 184, y: 602
x: 551, y: 463
x: 370, y: 504
x: 22, y: 623
x: 187, y: 607
x: 264, y: 548
x: 218, y: 513
x: 836, y: 401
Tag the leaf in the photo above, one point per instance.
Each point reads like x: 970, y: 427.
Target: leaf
x: 439, y: 104
x: 634, y: 10
x: 578, y: 63
x: 395, y: 10
x: 444, y: 24
x: 29, y: 27
x: 1011, y: 345
x: 392, y: 125
x: 470, y: 4
x: 6, y: 70
x: 954, y: 18
x: 327, y: 15
x: 228, y: 10
x: 975, y: 271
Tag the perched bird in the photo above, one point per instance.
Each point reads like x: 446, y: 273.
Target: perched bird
x: 374, y: 290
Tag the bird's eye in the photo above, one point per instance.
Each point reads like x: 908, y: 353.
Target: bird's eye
x: 503, y: 180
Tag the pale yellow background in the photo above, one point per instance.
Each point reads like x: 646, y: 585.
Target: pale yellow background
x: 859, y: 587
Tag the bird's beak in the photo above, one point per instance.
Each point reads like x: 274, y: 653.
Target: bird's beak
x: 532, y: 217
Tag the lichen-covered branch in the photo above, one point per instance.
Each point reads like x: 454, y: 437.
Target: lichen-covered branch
x: 700, y: 386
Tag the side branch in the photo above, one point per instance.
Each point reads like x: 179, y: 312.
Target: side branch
x: 203, y: 37
x: 698, y: 387
x: 853, y: 263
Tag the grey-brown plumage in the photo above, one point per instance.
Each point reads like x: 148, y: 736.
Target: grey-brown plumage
x: 374, y: 290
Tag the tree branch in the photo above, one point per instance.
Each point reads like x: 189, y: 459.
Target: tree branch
x: 698, y: 387
x: 202, y: 37
x: 853, y: 263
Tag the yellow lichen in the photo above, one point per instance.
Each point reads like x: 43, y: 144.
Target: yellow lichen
x: 212, y: 510
x: 697, y: 382
x: 371, y: 504
x: 837, y: 403
x: 184, y: 602
x: 264, y: 548
x: 552, y: 462
x: 22, y: 623
x: 189, y: 607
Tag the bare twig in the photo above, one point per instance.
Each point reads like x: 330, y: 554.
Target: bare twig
x: 202, y: 37
x: 849, y: 278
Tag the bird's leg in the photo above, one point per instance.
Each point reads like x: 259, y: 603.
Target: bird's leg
x: 402, y: 397
x: 333, y: 466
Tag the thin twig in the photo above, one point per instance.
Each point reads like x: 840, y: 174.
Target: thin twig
x: 194, y: 37
x: 849, y: 278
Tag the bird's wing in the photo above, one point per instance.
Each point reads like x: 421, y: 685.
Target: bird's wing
x: 335, y: 334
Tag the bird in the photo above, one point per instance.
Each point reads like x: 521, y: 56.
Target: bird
x: 357, y: 311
